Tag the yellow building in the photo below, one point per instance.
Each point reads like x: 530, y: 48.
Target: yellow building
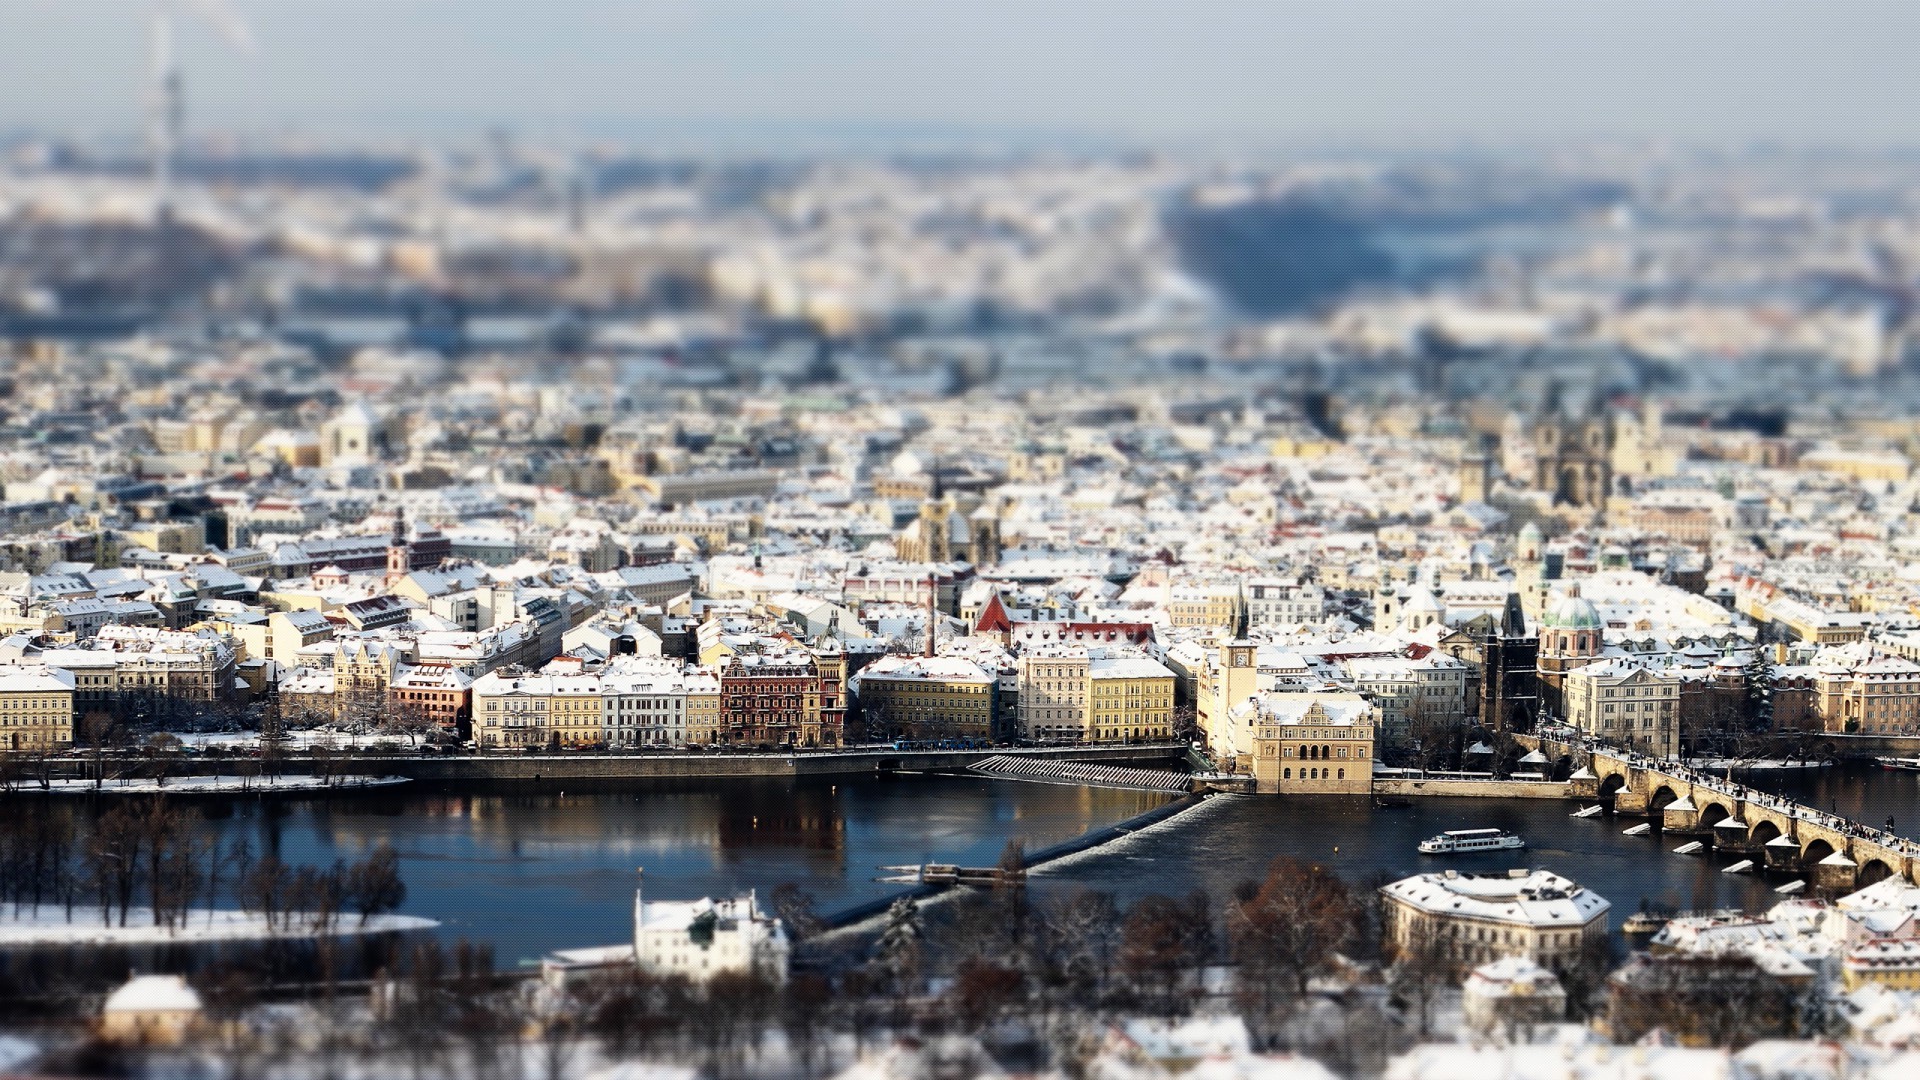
x: 535, y: 711
x: 703, y: 708
x: 1129, y: 697
x: 920, y: 697
x: 1310, y: 744
x: 36, y: 708
x: 1892, y: 962
x: 1879, y: 695
x: 151, y: 1010
x: 1072, y: 693
x: 1879, y: 467
x: 1203, y: 605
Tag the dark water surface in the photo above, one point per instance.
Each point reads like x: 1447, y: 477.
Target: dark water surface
x: 532, y: 873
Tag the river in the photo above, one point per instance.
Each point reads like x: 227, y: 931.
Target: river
x: 535, y: 872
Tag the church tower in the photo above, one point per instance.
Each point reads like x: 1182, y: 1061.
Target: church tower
x: 1509, y: 683
x: 1476, y: 473
x: 936, y: 522
x: 1569, y: 638
x: 1236, y: 678
x: 399, y: 552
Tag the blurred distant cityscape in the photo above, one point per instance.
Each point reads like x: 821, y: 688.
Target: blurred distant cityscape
x: 1372, y: 481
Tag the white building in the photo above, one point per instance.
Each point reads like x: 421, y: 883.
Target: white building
x: 1476, y: 918
x: 1274, y: 602
x: 645, y: 703
x: 702, y: 938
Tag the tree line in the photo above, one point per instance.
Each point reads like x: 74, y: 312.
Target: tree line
x: 151, y: 853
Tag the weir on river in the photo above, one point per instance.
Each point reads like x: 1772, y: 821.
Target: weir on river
x: 1836, y: 853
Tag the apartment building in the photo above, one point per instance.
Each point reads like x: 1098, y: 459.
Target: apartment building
x: 926, y: 697
x: 36, y: 708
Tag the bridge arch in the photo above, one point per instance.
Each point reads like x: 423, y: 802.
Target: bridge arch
x: 1612, y: 784
x: 1818, y: 848
x: 1762, y: 831
x: 1713, y: 814
x: 1874, y: 870
x: 1662, y: 795
x: 1562, y: 767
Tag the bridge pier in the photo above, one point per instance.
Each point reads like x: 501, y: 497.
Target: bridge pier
x: 1681, y: 816
x: 1836, y: 873
x: 1782, y: 853
x: 1730, y: 834
x: 1631, y: 803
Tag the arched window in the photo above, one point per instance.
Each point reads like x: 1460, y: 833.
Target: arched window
x: 1286, y: 774
x: 1343, y: 774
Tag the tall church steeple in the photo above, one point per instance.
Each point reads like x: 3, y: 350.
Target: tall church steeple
x: 399, y: 552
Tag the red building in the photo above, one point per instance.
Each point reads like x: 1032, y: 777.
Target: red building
x: 785, y: 698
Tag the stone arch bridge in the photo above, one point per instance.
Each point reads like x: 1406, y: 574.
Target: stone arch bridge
x: 1833, y: 852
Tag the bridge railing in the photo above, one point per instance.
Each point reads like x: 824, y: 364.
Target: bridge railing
x: 1779, y: 804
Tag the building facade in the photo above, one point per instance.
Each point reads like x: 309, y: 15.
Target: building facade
x: 1472, y: 919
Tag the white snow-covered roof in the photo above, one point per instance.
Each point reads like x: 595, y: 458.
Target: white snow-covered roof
x: 1530, y: 898
x: 153, y: 993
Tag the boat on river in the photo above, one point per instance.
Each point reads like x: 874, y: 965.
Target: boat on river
x: 1467, y: 841
x: 1902, y: 764
x: 1643, y: 923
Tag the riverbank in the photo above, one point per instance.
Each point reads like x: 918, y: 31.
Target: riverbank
x: 214, y: 785
x: 545, y: 769
x: 52, y: 925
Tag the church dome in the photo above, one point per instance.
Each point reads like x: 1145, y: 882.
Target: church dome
x: 1530, y: 533
x: 1572, y: 612
x: 1423, y: 602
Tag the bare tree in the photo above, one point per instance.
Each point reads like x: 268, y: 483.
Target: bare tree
x: 373, y: 885
x: 1156, y: 956
x: 806, y: 1005
x: 727, y: 1029
x: 1286, y: 930
x: 795, y: 907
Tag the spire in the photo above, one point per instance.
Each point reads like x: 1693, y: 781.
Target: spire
x: 933, y: 590
x: 936, y: 491
x: 1513, y: 621
x: 1240, y: 614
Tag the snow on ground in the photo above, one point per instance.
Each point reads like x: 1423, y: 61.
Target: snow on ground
x: 214, y: 785
x: 293, y: 742
x: 16, y: 1052
x: 48, y: 925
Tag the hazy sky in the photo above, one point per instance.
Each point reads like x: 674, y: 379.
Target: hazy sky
x: 1827, y: 71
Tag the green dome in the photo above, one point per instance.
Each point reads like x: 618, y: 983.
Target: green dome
x: 1571, y: 612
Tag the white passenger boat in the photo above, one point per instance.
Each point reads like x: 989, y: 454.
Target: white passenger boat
x: 1466, y: 841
